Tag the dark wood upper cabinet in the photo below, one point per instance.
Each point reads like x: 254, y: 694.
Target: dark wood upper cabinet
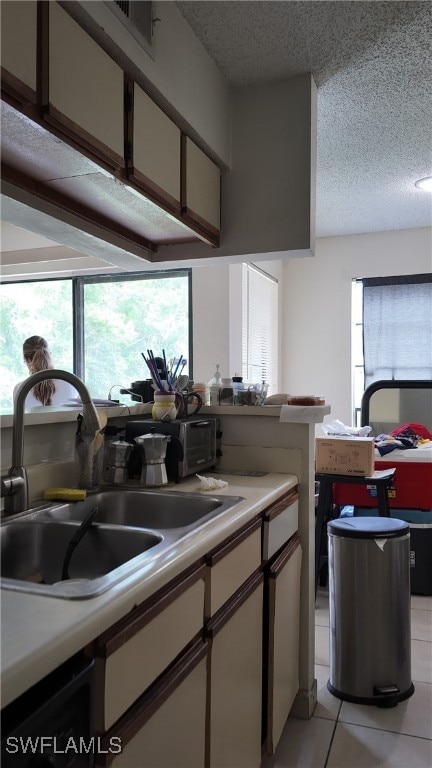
x: 19, y: 51
x: 79, y: 135
x: 200, y: 189
x: 155, y: 139
x: 83, y: 92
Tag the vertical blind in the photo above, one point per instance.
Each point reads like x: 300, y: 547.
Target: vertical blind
x: 259, y: 327
x: 397, y: 327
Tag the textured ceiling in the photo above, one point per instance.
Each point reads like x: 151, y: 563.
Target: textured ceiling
x: 372, y: 62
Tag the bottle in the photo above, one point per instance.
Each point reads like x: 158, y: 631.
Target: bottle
x: 200, y: 387
x: 226, y: 392
x: 238, y: 390
x: 213, y: 387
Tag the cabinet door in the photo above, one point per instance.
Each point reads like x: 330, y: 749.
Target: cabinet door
x: 281, y: 662
x: 166, y: 727
x: 85, y: 89
x: 280, y: 522
x: 131, y: 654
x: 200, y: 189
x: 230, y: 564
x: 235, y: 680
x: 18, y: 50
x: 156, y: 150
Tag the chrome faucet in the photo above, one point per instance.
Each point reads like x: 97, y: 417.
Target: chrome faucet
x: 14, y: 486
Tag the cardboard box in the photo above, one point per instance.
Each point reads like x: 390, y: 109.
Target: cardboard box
x: 345, y: 456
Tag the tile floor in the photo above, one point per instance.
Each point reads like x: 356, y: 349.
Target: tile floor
x: 344, y: 735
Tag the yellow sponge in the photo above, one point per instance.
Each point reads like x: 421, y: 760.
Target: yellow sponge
x: 65, y: 494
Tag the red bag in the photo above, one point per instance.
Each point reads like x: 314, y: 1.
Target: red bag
x: 411, y: 429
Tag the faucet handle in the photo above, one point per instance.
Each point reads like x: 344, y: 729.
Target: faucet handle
x: 15, y: 490
x: 10, y: 485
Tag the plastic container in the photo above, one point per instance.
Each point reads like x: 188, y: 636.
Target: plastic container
x: 201, y: 388
x: 247, y: 393
x: 226, y: 392
x: 238, y: 390
x: 214, y: 387
x: 213, y: 395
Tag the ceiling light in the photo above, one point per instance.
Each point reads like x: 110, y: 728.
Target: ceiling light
x: 425, y: 183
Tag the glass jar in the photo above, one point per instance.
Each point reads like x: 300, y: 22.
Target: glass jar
x: 201, y: 388
x: 238, y: 390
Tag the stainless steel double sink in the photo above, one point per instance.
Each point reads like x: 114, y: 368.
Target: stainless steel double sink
x: 133, y: 528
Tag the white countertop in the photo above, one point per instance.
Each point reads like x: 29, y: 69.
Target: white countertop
x: 290, y: 413
x: 55, y: 414
x: 38, y: 633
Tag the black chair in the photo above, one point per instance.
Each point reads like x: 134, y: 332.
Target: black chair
x: 326, y: 510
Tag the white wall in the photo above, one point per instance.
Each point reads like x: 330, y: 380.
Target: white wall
x: 317, y: 307
x: 268, y: 196
x: 210, y: 311
x: 315, y: 297
x: 216, y: 309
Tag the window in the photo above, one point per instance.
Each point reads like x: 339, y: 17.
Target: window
x: 357, y: 348
x: 397, y: 328
x: 259, y: 327
x: 26, y: 309
x: 97, y: 327
x: 391, y: 331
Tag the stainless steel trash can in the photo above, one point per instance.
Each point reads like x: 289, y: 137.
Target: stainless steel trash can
x: 369, y: 610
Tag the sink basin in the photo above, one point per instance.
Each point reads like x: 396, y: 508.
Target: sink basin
x: 32, y: 554
x: 133, y: 528
x: 145, y: 508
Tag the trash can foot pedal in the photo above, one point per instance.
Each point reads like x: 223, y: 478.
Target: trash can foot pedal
x: 387, y: 695
x: 385, y: 690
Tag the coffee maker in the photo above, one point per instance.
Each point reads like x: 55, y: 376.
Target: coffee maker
x: 153, y: 446
x: 116, y: 458
x: 140, y: 391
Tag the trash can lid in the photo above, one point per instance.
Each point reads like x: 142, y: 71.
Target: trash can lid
x: 368, y: 527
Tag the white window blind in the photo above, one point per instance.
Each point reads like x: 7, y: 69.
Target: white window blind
x: 259, y: 327
x: 397, y: 327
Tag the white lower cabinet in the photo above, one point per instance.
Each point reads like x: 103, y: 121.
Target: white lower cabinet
x: 230, y: 564
x: 280, y: 522
x: 235, y: 680
x: 204, y: 673
x: 136, y: 650
x: 281, y: 640
x: 166, y: 726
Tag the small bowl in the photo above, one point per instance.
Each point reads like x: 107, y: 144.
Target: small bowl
x: 306, y: 400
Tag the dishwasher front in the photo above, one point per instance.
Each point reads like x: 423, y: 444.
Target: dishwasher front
x: 50, y: 726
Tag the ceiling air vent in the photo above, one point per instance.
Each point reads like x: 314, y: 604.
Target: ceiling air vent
x: 136, y: 16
